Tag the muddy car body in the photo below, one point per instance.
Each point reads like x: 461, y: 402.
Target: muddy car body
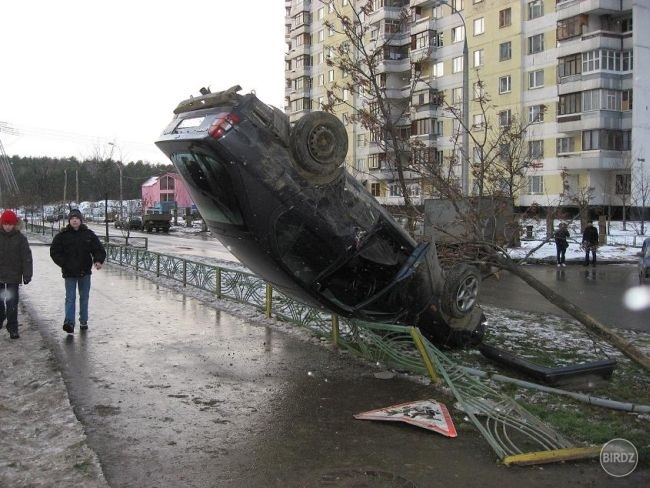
x: 281, y: 201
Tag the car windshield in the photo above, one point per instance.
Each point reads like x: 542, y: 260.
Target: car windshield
x: 215, y: 190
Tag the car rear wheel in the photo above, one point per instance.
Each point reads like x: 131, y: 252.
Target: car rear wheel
x: 319, y: 144
x: 460, y: 292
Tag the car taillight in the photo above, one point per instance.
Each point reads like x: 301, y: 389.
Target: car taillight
x: 223, y: 124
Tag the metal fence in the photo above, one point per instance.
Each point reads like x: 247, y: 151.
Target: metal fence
x: 503, y: 423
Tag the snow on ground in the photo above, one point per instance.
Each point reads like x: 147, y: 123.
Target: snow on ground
x: 623, y: 245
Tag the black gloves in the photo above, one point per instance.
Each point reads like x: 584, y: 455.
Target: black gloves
x: 26, y: 281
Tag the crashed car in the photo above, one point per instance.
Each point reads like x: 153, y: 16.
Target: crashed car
x: 280, y: 199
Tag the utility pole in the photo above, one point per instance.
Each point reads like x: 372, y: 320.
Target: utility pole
x: 65, y: 186
x: 76, y: 178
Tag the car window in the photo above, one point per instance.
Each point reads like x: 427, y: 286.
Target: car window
x: 216, y: 193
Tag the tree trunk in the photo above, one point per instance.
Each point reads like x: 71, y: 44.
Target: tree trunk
x: 585, y: 319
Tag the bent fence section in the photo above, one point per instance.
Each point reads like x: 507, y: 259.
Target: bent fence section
x: 516, y: 436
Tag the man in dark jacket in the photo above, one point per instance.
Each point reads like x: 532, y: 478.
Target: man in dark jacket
x: 590, y: 243
x: 75, y: 250
x: 15, y: 268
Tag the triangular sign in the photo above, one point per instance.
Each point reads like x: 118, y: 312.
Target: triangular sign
x: 428, y: 414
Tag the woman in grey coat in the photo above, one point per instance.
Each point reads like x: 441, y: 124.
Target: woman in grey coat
x: 15, y: 268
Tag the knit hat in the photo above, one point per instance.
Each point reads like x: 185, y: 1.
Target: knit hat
x: 75, y: 213
x: 8, y: 218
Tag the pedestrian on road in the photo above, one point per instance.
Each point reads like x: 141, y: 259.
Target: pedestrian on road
x: 590, y: 243
x: 75, y: 250
x: 15, y: 268
x: 561, y: 244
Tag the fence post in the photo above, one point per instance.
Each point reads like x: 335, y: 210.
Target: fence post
x: 184, y: 272
x: 137, y: 258
x: 120, y: 255
x: 335, y: 329
x: 217, y: 289
x: 157, y: 264
x: 269, y: 300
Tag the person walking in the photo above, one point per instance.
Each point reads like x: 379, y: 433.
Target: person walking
x: 590, y: 243
x: 561, y: 243
x: 75, y: 250
x: 16, y: 267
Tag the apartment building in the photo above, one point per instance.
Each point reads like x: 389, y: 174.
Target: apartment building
x: 564, y: 67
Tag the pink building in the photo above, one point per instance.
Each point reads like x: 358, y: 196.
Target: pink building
x: 164, y: 190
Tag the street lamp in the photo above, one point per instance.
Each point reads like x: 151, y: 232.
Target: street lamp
x: 465, y: 106
x: 120, y: 168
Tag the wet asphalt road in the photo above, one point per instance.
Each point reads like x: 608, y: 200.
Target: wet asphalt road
x: 597, y: 290
x: 174, y: 393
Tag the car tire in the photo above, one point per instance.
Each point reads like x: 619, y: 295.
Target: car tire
x: 319, y: 144
x: 460, y: 292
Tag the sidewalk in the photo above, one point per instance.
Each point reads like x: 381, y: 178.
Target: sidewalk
x: 172, y: 391
x: 41, y: 441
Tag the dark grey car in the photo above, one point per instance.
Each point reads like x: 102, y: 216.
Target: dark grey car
x: 281, y: 201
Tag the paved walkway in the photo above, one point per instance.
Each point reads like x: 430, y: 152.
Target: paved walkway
x: 175, y: 392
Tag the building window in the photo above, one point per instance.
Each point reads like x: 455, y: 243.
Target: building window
x: 536, y: 113
x: 479, y: 90
x: 330, y: 75
x: 570, y: 104
x: 438, y: 69
x: 570, y: 65
x: 505, y: 51
x: 360, y: 165
x: 361, y: 140
x: 505, y: 17
x: 479, y: 26
x: 375, y: 189
x: 565, y: 145
x: 321, y: 13
x: 457, y: 5
x: 568, y: 28
x: 536, y: 43
x: 626, y: 100
x: 167, y: 183
x: 456, y: 95
x: 374, y: 162
x: 457, y: 64
x: 535, y: 9
x: 628, y: 61
x: 536, y: 149
x: 301, y: 104
x: 346, y: 94
x: 458, y: 33
x: 535, y: 185
x: 422, y: 126
x: 591, y: 61
x: 394, y: 190
x: 536, y: 79
x: 505, y: 84
x: 478, y: 58
x: 607, y: 140
x: 505, y: 118
x: 624, y: 184
x: 601, y: 100
x: 321, y: 80
x: 478, y: 121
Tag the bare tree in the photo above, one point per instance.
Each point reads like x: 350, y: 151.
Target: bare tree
x: 641, y: 193
x: 383, y: 112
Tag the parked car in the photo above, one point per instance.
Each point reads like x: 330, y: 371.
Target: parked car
x: 281, y: 201
x: 644, y: 262
x: 133, y: 223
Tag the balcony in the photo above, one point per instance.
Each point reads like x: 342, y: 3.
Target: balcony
x: 422, y: 25
x: 569, y: 8
x: 591, y: 160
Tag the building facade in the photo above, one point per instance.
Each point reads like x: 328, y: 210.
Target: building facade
x: 569, y: 70
x: 166, y: 192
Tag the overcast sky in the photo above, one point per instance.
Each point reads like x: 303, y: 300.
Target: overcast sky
x: 78, y: 74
